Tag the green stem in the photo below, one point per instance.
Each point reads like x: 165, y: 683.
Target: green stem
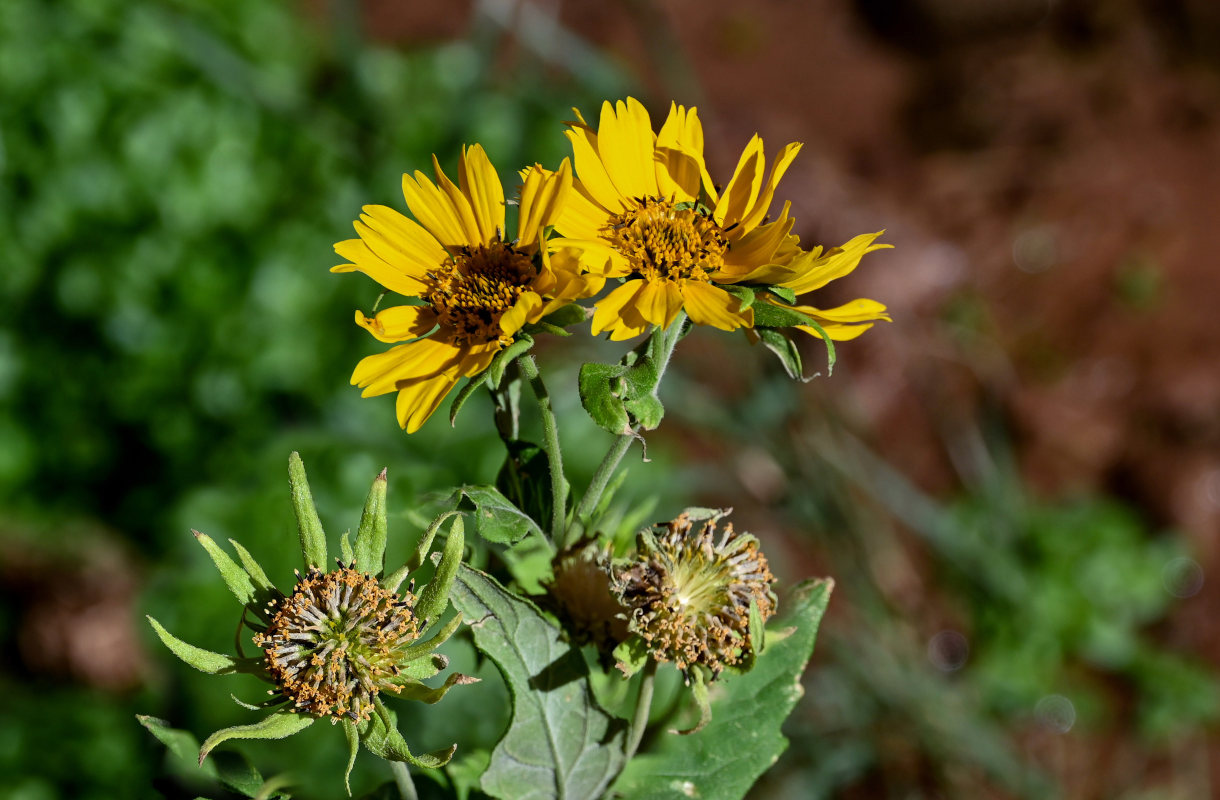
x: 605, y: 470
x: 550, y: 443
x: 402, y: 777
x: 643, y: 706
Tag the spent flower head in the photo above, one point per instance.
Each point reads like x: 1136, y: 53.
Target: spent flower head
x: 341, y: 638
x: 695, y: 596
x: 581, y: 594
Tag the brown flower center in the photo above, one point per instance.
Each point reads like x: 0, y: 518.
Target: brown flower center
x: 333, y: 644
x: 664, y: 242
x: 471, y: 292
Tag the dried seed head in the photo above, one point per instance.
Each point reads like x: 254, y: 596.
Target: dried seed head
x: 333, y: 644
x: 689, y: 592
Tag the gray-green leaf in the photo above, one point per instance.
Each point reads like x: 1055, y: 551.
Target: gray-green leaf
x: 197, y: 657
x: 724, y: 759
x: 234, y: 576
x: 559, y: 743
x: 496, y: 518
x: 279, y: 725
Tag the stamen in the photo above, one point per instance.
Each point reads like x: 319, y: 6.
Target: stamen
x: 663, y: 242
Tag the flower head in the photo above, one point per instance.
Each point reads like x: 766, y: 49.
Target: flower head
x: 476, y: 290
x: 690, y: 592
x: 338, y: 639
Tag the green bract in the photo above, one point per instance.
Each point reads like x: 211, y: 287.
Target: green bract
x: 339, y: 638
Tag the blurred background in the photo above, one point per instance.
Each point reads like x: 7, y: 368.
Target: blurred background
x: 1016, y: 484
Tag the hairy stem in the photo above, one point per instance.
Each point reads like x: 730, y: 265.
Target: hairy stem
x: 402, y: 777
x: 550, y: 443
x: 643, y: 706
x: 605, y: 470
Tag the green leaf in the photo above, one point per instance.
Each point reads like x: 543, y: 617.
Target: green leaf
x: 309, y: 527
x: 353, y: 747
x: 234, y: 576
x: 789, y: 355
x: 279, y: 725
x: 565, y: 316
x: 346, y: 555
x: 743, y: 293
x: 266, y: 589
x: 724, y: 759
x: 616, y: 395
x: 420, y: 647
x: 603, y: 405
x: 434, y: 598
x: 232, y: 770
x: 496, y: 518
x: 414, y: 690
x: 380, y: 735
x: 559, y: 743
x: 783, y: 293
x: 770, y: 315
x: 631, y: 655
x: 464, y: 394
x: 495, y: 370
x: 466, y: 771
x: 197, y: 657
x: 180, y: 743
x: 371, y: 535
x: 425, y: 543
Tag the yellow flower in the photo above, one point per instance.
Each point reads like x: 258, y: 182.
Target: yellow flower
x: 477, y: 290
x: 637, y: 214
x: 645, y: 209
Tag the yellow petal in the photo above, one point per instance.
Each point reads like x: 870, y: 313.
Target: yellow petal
x: 815, y: 271
x: 859, y: 310
x: 543, y: 197
x: 399, y: 323
x: 611, y: 308
x: 625, y: 144
x: 434, y: 210
x: 760, y: 245
x: 591, y: 170
x: 837, y: 332
x: 461, y: 206
x: 364, y: 260
x: 380, y: 372
x: 758, y: 210
x: 598, y: 257
x: 418, y: 399
x: 738, y: 197
x: 707, y: 305
x: 679, y: 155
x: 659, y: 302
x: 481, y: 183
x: 581, y: 217
x: 405, y: 236
x: 521, y: 311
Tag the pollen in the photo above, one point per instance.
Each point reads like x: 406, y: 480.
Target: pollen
x: 689, y: 592
x: 667, y: 241
x: 473, y: 290
x: 581, y: 594
x: 333, y: 644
